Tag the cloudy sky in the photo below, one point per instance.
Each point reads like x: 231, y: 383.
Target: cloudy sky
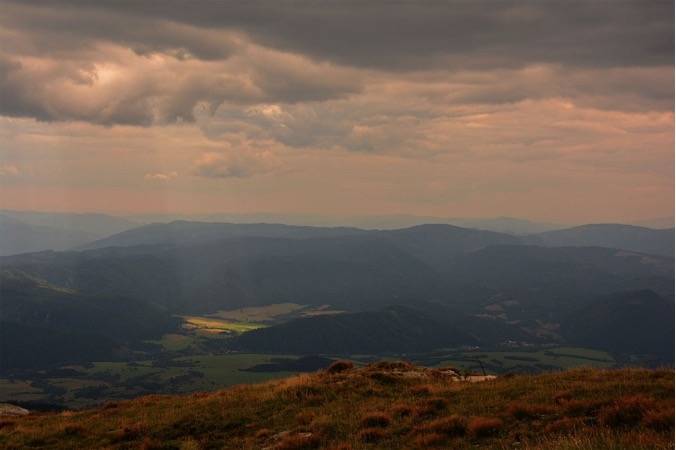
x: 551, y: 110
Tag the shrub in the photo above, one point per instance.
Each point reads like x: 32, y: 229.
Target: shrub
x: 428, y: 440
x: 484, y: 426
x: 522, y: 411
x: 565, y: 425
x: 421, y: 390
x: 401, y: 410
x: 562, y: 397
x: 341, y: 446
x: 263, y: 433
x: 371, y: 435
x: 376, y: 419
x: 659, y: 420
x: 299, y: 441
x: 72, y: 430
x: 305, y: 417
x: 452, y: 426
x: 383, y: 377
x: 626, y: 412
x: 150, y: 444
x: 393, y: 365
x: 583, y: 407
x: 340, y: 366
x: 430, y: 407
x: 323, y: 426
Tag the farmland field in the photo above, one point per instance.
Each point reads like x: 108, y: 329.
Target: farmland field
x: 216, y: 325
x: 558, y: 358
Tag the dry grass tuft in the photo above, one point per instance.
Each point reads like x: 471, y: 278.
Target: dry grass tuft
x: 564, y: 426
x: 149, y: 443
x: 73, y: 429
x: 428, y: 440
x: 421, y: 390
x: 576, y: 408
x: 341, y: 446
x: 340, y: 366
x: 563, y: 397
x: 263, y: 433
x: 626, y: 411
x: 375, y: 419
x: 372, y: 435
x: 484, y: 426
x: 659, y: 420
x: 401, y: 410
x: 300, y: 441
x: 430, y: 407
x: 523, y: 411
x: 384, y: 377
x: 239, y: 417
x: 454, y: 425
x: 392, y: 365
x: 305, y: 417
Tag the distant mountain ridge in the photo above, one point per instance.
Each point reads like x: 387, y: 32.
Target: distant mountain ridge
x: 444, y: 237
x: 626, y: 237
x: 28, y: 231
x: 457, y: 286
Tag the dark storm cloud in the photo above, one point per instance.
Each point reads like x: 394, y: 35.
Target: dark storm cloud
x: 415, y: 35
x: 146, y: 62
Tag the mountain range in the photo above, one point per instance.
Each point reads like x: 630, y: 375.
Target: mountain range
x: 403, y: 290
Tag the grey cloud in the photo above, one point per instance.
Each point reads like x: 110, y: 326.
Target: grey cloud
x: 234, y: 165
x: 237, y: 54
x: 417, y: 35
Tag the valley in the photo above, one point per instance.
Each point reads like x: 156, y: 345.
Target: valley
x: 185, y: 307
x: 196, y: 358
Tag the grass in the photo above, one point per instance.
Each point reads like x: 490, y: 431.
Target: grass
x: 561, y: 357
x: 18, y: 390
x: 353, y: 409
x: 216, y: 325
x: 175, y: 342
x: 226, y: 370
x: 274, y: 313
x: 258, y: 313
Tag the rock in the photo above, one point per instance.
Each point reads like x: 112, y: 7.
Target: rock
x: 7, y: 409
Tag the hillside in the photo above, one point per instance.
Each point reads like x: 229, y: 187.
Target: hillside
x: 394, y: 329
x: 626, y: 237
x: 185, y: 233
x: 27, y: 231
x: 20, y: 237
x: 627, y: 322
x: 43, y: 325
x: 382, y: 406
x: 478, y: 288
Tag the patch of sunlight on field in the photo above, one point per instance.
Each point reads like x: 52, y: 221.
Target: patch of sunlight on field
x: 216, y: 325
x: 258, y: 313
x: 226, y: 370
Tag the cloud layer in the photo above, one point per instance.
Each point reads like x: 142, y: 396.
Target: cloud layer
x: 215, y: 95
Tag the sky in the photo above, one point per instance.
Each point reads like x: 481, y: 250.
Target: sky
x: 560, y: 111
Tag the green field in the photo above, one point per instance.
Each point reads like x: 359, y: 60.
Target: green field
x: 172, y: 373
x: 18, y: 390
x: 258, y: 313
x: 175, y: 342
x: 215, y: 325
x: 538, y: 360
x: 274, y: 313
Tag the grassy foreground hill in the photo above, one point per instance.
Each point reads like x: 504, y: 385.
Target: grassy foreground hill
x: 385, y: 405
